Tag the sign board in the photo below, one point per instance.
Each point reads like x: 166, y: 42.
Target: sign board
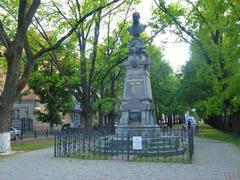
x: 77, y: 107
x: 137, y: 142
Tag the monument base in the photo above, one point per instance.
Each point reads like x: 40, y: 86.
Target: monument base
x: 151, y: 130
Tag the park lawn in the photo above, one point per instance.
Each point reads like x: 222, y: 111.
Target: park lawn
x: 177, y: 126
x: 32, y: 145
x: 206, y: 131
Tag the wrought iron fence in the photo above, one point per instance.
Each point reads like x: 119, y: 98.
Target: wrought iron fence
x: 37, y: 133
x: 170, y: 145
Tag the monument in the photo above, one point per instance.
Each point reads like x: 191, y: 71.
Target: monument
x: 137, y: 108
x: 137, y: 130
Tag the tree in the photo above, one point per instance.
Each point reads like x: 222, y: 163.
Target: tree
x: 87, y: 36
x: 14, y: 43
x: 164, y: 86
x: 212, y: 26
x: 109, y: 75
x: 55, y: 89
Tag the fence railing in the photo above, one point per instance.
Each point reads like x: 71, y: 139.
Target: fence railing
x: 170, y: 145
x: 37, y: 133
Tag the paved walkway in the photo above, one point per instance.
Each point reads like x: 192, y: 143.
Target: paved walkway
x: 213, y: 160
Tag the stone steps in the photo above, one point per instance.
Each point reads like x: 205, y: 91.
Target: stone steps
x: 142, y: 153
x: 165, y: 145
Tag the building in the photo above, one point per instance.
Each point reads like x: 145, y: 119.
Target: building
x: 23, y: 112
x: 76, y: 116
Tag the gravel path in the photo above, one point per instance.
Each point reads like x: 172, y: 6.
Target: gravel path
x: 212, y: 160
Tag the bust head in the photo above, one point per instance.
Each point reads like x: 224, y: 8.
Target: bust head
x: 136, y: 17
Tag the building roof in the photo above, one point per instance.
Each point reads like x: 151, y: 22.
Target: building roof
x: 29, y: 96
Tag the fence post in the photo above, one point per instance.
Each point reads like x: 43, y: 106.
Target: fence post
x: 189, y: 124
x: 60, y: 143
x: 55, y: 145
x: 105, y: 145
x: 21, y: 135
x: 192, y: 131
x: 190, y: 143
x: 35, y: 134
x: 128, y: 146
x: 47, y: 133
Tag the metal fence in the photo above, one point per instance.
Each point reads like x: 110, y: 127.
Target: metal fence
x: 36, y: 134
x: 23, y: 124
x: 171, y: 145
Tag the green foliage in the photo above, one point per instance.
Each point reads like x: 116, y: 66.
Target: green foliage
x: 55, y: 83
x: 53, y: 90
x: 164, y: 84
x: 108, y: 104
x: 109, y: 74
x: 210, y: 79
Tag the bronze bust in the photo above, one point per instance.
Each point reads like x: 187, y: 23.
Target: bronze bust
x: 137, y: 28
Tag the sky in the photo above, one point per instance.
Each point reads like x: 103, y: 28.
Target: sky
x: 175, y: 53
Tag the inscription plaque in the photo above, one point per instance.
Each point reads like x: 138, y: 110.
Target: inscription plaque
x: 135, y: 88
x: 135, y: 116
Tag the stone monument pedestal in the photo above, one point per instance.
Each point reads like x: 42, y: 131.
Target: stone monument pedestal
x: 137, y: 108
x: 137, y: 118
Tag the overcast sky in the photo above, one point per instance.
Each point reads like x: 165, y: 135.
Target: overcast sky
x: 175, y: 53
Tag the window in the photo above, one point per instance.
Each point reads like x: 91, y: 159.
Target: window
x: 75, y: 116
x: 15, y: 114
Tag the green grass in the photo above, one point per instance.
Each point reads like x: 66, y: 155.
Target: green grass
x: 34, y: 145
x: 206, y: 131
x: 170, y: 159
x: 184, y: 159
x: 90, y: 156
x: 177, y: 126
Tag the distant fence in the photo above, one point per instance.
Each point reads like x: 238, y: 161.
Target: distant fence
x: 23, y: 124
x: 36, y: 134
x: 171, y: 145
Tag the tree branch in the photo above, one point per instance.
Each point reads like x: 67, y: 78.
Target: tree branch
x: 59, y: 42
x: 163, y: 8
x: 199, y: 13
x: 21, y: 14
x: 32, y: 10
x: 111, y: 10
x: 28, y: 67
x: 3, y: 36
x: 95, y: 43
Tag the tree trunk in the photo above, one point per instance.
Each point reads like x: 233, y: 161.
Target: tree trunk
x: 174, y: 118
x: 100, y: 111
x: 100, y: 117
x: 51, y: 126
x: 8, y: 97
x: 5, y: 124
x: 170, y: 121
x: 226, y: 119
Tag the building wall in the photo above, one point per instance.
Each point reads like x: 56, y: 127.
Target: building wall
x: 26, y: 108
